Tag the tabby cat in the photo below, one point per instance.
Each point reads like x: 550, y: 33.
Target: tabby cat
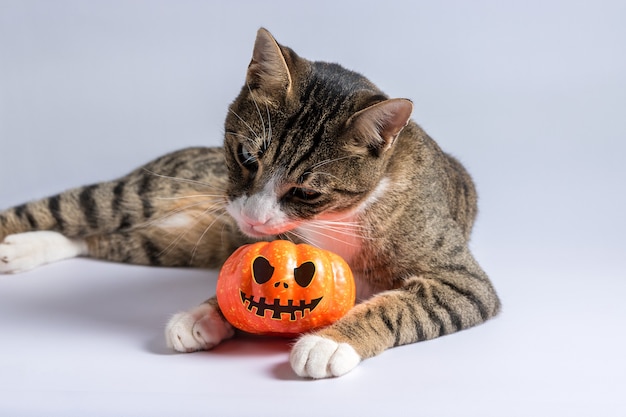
x: 313, y: 153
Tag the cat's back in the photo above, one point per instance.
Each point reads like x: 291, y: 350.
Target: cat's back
x: 435, y: 178
x: 193, y: 163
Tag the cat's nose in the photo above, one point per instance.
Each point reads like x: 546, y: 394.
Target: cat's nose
x: 253, y: 226
x: 253, y: 221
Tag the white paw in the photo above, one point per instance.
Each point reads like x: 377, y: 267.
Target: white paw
x: 24, y: 251
x: 199, y: 329
x: 318, y: 357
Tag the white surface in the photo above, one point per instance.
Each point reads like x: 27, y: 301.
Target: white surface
x: 531, y: 97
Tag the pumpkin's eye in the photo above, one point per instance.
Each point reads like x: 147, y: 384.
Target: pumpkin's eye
x: 262, y: 270
x: 304, y: 274
x: 304, y: 194
x: 247, y: 158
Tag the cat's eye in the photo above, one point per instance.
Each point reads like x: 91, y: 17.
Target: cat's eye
x: 305, y: 194
x: 247, y: 159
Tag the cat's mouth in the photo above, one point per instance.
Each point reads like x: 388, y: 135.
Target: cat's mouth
x: 265, y: 230
x: 257, y: 221
x: 276, y: 308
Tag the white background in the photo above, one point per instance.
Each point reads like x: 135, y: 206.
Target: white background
x: 530, y: 95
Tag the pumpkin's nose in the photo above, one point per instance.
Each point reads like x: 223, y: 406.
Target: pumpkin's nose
x: 277, y: 284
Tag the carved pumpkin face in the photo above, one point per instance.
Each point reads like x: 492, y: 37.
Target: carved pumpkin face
x: 282, y: 288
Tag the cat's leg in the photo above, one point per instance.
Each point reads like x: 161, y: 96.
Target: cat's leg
x: 449, y: 298
x: 201, y: 328
x: 44, y: 231
x: 316, y: 356
x: 56, y: 227
x: 169, y: 212
x: 23, y: 251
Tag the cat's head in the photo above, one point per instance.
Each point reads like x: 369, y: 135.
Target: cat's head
x: 304, y: 140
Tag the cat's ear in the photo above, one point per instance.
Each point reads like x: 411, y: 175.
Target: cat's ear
x: 268, y: 73
x: 377, y: 127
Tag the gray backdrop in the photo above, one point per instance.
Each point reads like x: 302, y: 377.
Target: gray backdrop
x: 530, y: 95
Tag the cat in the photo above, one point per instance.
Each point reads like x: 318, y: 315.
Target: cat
x: 313, y: 153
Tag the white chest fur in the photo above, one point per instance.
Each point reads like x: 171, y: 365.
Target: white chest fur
x: 344, y: 234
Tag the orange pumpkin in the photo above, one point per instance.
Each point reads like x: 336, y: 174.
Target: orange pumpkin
x: 282, y: 288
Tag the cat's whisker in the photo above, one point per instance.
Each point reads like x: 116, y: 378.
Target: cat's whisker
x: 325, y: 162
x: 183, y: 180
x: 242, y: 136
x: 337, y: 225
x: 327, y: 174
x: 161, y: 219
x: 161, y: 222
x: 269, y: 127
x: 193, y: 196
x: 300, y: 237
x: 258, y: 110
x: 197, y: 218
x: 311, y: 234
x: 246, y: 124
x: 345, y: 229
x: 195, y: 248
x: 285, y: 236
x: 173, y: 244
x: 224, y: 236
x: 336, y: 230
x: 331, y: 236
x: 328, y: 161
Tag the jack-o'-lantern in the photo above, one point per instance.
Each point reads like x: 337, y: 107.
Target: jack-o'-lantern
x: 282, y: 288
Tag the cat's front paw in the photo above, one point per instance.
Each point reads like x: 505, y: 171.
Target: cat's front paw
x: 319, y: 357
x: 199, y: 329
x: 23, y: 251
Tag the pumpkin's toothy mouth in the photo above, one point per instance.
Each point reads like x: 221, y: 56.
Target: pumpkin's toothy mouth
x: 276, y: 308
